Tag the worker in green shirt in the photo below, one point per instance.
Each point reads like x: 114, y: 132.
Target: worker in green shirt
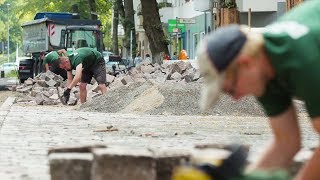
x: 49, y: 62
x: 276, y: 65
x: 87, y: 63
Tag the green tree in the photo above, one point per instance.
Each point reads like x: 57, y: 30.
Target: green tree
x: 21, y: 11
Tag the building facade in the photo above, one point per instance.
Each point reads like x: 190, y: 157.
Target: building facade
x: 186, y: 22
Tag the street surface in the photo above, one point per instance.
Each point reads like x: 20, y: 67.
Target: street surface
x: 26, y: 133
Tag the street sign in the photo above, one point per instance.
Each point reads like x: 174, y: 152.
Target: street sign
x: 187, y: 20
x: 172, y: 24
x: 175, y: 30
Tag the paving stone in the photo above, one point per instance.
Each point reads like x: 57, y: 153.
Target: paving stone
x: 119, y: 164
x: 70, y: 166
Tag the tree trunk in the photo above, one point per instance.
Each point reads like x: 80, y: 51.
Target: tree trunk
x: 229, y: 16
x: 115, y: 45
x: 153, y: 28
x: 93, y: 10
x: 227, y: 13
x: 129, y: 26
x: 292, y: 3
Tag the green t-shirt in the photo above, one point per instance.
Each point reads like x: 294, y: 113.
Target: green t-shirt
x: 51, y: 57
x: 293, y: 45
x: 87, y: 56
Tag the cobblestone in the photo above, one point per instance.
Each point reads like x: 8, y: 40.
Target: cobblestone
x: 26, y: 134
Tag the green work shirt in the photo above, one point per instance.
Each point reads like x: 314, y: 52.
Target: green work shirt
x: 51, y: 57
x: 293, y: 45
x: 85, y: 56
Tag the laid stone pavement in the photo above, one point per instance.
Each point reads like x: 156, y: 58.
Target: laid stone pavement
x: 27, y: 132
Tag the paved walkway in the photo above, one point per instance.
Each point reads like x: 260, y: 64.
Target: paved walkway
x: 26, y: 133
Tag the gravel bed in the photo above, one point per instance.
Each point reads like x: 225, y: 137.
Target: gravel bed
x: 169, y: 99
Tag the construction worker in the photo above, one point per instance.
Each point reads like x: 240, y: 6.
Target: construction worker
x: 49, y: 62
x: 275, y: 66
x: 183, y: 55
x: 87, y: 63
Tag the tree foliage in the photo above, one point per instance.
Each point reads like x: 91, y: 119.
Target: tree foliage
x: 21, y: 11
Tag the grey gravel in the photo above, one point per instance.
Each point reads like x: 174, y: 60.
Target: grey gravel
x: 178, y: 99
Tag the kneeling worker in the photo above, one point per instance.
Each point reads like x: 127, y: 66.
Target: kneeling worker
x: 87, y: 63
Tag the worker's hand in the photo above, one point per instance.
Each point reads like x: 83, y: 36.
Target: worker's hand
x: 66, y: 94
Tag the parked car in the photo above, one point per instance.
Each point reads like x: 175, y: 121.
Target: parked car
x: 25, y: 68
x: 106, y: 55
x: 9, y: 67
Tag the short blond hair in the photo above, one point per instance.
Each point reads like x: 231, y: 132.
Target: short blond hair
x: 254, y: 42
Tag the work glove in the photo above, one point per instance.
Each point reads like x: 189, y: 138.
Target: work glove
x: 66, y: 95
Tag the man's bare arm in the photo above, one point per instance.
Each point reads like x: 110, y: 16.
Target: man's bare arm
x: 46, y: 67
x: 70, y: 77
x: 62, y: 52
x: 77, y: 77
x: 310, y: 170
x: 285, y: 143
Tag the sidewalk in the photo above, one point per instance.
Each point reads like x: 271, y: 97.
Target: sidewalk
x: 26, y: 133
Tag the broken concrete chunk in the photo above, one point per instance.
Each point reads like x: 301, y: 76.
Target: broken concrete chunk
x: 25, y: 89
x: 28, y: 82
x: 126, y: 80
x: 176, y: 76
x: 42, y: 83
x: 39, y: 99
x: 110, y: 78
x: 147, y: 69
x: 51, y: 83
x: 50, y: 102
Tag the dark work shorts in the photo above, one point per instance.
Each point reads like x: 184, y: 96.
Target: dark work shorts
x: 98, y: 71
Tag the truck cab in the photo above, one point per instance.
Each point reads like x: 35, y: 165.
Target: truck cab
x: 51, y: 31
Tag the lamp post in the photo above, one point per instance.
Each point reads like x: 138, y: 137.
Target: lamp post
x: 8, y: 33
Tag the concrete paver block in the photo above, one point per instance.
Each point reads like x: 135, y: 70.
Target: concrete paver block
x: 70, y: 166
x: 120, y: 164
x: 167, y: 161
x: 51, y: 83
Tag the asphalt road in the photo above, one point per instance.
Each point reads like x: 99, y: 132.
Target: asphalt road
x: 7, y: 82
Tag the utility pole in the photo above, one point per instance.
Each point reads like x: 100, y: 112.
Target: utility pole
x: 8, y: 33
x: 177, y: 35
x: 131, y: 59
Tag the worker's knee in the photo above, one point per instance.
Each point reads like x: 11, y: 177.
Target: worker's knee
x: 83, y: 86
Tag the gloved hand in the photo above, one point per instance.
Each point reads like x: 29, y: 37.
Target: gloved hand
x: 66, y: 94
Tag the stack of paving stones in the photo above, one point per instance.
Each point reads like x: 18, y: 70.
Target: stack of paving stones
x: 118, y: 163
x: 42, y: 89
x: 46, y: 88
x: 180, y: 71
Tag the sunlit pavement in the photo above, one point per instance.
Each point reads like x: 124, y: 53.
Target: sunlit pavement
x: 26, y: 133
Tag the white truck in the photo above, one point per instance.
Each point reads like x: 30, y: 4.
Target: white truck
x: 53, y: 31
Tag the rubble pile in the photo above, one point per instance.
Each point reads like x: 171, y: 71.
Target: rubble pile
x: 167, y: 89
x: 44, y: 89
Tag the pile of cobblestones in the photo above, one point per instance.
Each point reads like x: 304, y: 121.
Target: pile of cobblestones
x: 167, y: 89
